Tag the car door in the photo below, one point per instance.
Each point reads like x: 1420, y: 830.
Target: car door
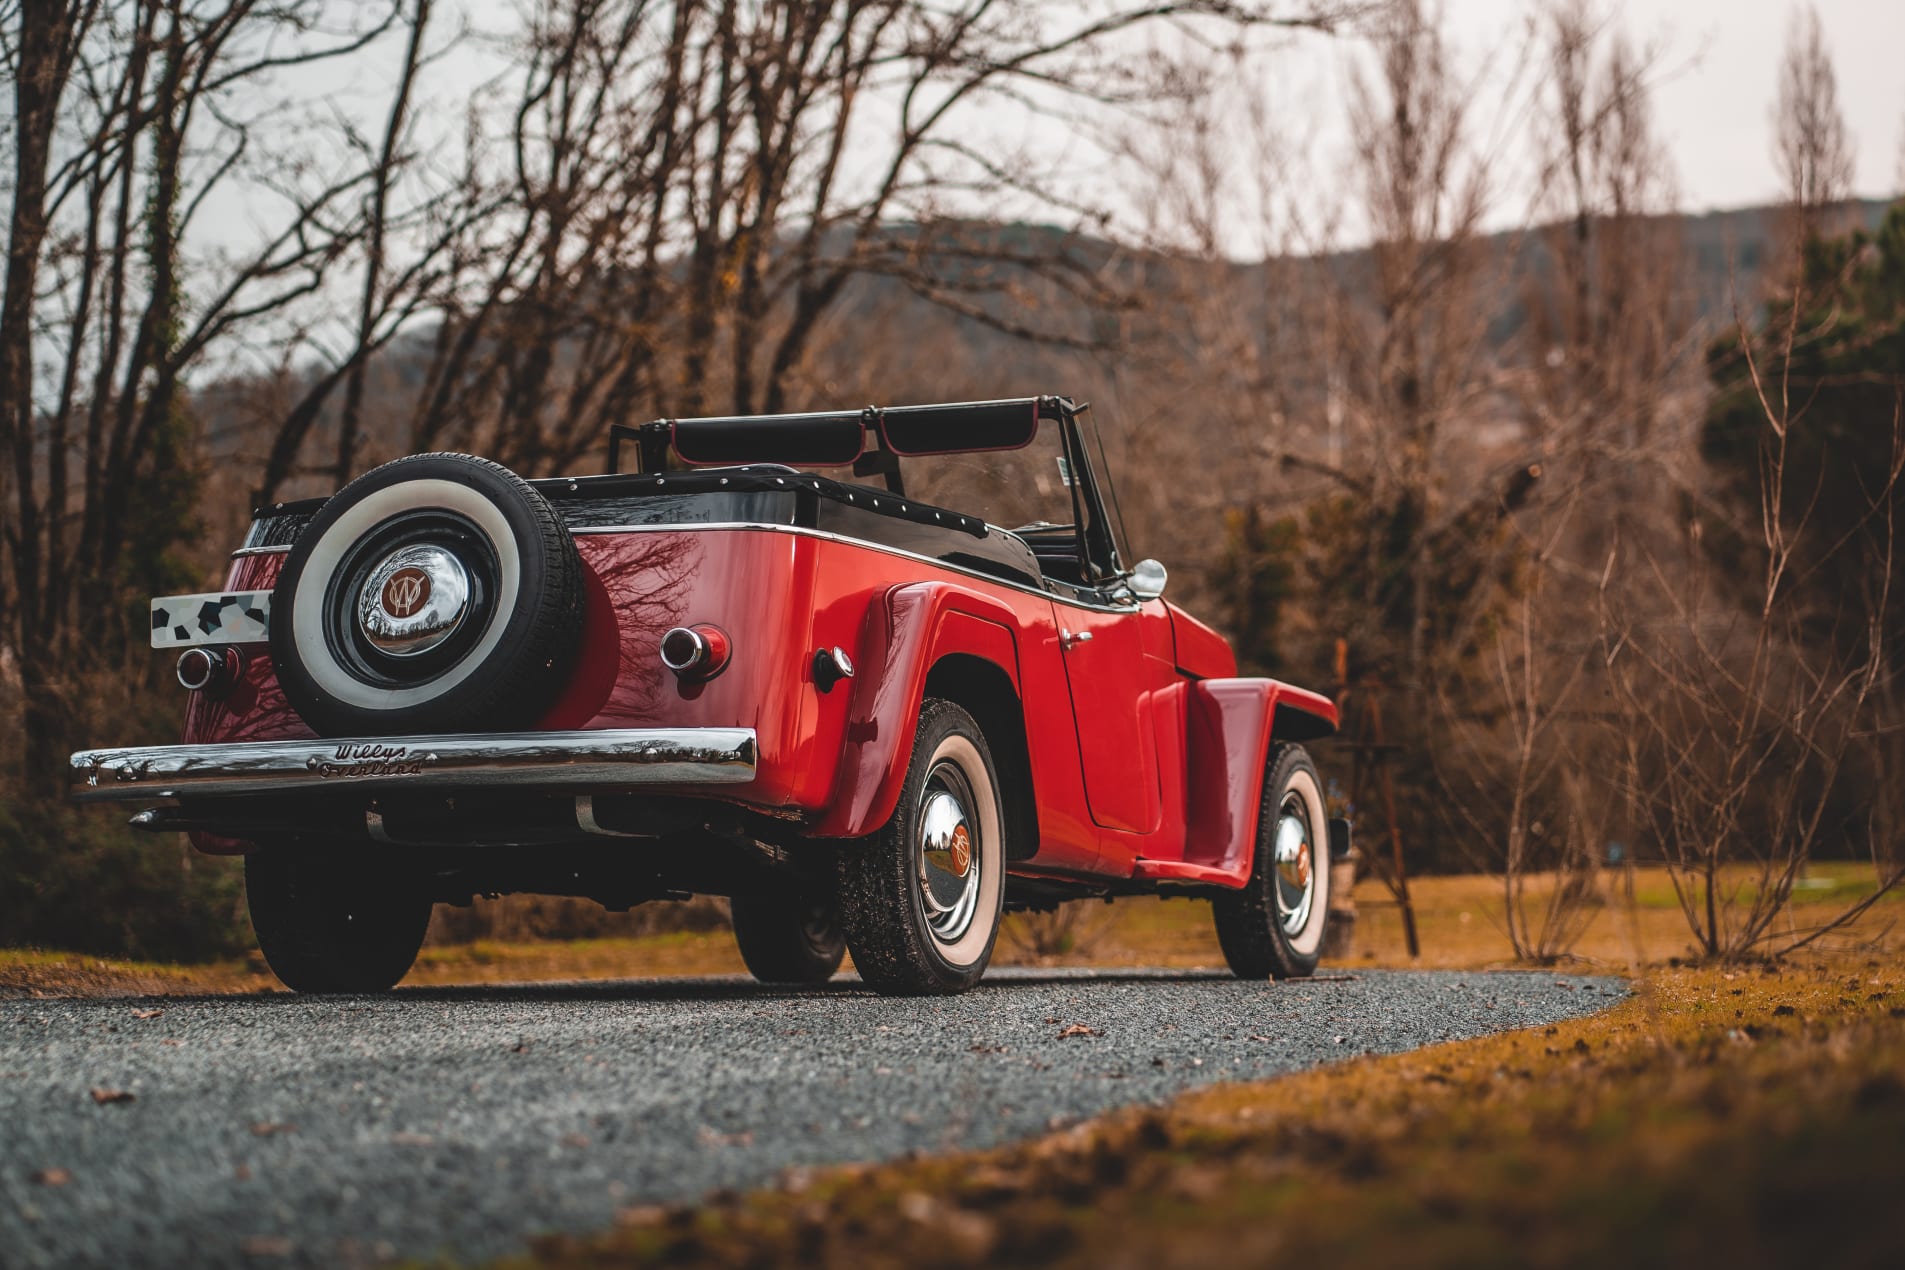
x: 1114, y: 679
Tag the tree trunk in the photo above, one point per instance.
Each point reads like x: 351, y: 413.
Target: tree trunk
x: 44, y: 60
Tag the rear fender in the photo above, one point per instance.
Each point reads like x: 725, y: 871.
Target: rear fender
x: 1230, y: 726
x: 908, y: 628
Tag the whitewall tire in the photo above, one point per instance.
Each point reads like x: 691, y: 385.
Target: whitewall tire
x: 437, y: 593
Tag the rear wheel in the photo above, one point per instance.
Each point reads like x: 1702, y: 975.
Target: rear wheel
x: 333, y: 922
x: 1273, y: 927
x: 920, y: 900
x: 792, y: 939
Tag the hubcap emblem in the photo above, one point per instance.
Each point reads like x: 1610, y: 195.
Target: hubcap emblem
x: 414, y: 600
x: 961, y: 851
x: 407, y: 590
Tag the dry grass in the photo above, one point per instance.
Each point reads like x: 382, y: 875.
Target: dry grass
x: 32, y: 972
x: 1459, y: 918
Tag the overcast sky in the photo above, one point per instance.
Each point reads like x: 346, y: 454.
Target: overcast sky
x: 1715, y: 78
x: 1720, y: 74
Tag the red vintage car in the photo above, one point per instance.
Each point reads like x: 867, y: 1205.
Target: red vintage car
x: 878, y: 675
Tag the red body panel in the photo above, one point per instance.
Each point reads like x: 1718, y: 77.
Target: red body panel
x: 1229, y: 728
x: 904, y: 631
x: 1201, y: 651
x: 1113, y: 677
x: 1146, y: 756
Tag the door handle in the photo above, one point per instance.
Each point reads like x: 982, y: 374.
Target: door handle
x: 1067, y: 639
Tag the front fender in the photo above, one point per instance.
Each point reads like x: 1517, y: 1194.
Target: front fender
x: 1231, y: 725
x: 908, y: 628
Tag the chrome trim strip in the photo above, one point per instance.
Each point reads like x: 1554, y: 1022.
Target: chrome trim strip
x: 607, y: 760
x: 803, y: 532
x: 800, y: 531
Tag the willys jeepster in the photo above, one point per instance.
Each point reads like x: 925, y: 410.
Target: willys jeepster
x: 878, y: 676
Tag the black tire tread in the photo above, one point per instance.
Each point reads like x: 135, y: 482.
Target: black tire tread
x: 297, y: 900
x: 770, y: 932
x: 878, y: 910
x: 1254, y: 944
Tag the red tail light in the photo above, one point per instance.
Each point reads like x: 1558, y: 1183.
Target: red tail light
x: 695, y: 653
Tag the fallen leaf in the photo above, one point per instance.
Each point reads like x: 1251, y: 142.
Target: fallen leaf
x: 266, y: 1128
x: 103, y: 1096
x: 53, y: 1177
x: 266, y: 1246
x: 147, y: 1014
x: 574, y: 1140
x: 1078, y: 1029
x: 412, y: 1139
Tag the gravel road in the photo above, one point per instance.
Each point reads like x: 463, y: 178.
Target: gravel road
x: 276, y: 1130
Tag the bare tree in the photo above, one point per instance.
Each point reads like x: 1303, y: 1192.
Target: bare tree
x: 1415, y: 360
x: 1733, y: 732
x: 383, y: 172
x: 1612, y: 326
x: 131, y: 119
x: 1812, y: 147
x: 1527, y: 756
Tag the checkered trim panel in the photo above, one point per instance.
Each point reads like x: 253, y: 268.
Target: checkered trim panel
x: 231, y: 617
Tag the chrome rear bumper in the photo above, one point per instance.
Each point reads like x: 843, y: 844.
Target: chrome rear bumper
x: 604, y: 761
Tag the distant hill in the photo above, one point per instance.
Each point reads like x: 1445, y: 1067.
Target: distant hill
x: 885, y: 341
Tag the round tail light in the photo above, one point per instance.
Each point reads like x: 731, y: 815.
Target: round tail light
x: 210, y: 668
x: 695, y: 653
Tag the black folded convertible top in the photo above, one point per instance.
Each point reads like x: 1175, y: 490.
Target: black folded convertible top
x: 837, y: 438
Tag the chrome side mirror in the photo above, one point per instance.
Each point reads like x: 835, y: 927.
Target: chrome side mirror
x: 1147, y: 579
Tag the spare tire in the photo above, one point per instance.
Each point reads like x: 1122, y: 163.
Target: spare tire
x: 437, y: 593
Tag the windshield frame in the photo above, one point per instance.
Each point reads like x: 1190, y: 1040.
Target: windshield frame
x: 1099, y: 530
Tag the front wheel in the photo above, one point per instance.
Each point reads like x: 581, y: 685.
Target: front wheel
x: 1273, y: 927
x: 920, y: 900
x: 334, y: 922
x: 788, y: 939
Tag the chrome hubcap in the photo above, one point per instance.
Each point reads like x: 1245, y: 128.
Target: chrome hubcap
x: 413, y: 600
x: 1296, y: 865
x: 949, y: 862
